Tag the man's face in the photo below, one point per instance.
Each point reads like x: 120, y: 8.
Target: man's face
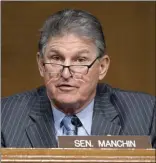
x: 65, y: 89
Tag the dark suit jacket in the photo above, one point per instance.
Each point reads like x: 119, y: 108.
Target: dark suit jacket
x: 27, y: 119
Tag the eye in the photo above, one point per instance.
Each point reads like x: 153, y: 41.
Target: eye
x: 81, y: 59
x: 55, y: 58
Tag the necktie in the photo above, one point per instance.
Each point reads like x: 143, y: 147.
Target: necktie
x: 70, y: 125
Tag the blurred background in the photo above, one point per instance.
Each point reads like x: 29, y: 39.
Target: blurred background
x: 129, y: 29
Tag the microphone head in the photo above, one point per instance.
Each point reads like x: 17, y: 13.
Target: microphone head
x: 75, y: 121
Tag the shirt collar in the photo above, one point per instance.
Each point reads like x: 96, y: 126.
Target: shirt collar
x: 85, y: 116
x: 58, y: 116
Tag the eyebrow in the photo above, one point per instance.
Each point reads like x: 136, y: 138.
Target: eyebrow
x: 82, y: 51
x: 55, y: 51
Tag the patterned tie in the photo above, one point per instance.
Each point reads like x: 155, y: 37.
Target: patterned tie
x: 70, y: 124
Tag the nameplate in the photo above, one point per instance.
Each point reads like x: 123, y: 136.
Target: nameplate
x: 104, y: 142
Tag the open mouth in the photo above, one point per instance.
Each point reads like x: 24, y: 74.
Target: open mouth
x: 66, y: 87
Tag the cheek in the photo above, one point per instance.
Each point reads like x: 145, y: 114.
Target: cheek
x: 50, y: 84
x: 49, y: 80
x: 88, y: 84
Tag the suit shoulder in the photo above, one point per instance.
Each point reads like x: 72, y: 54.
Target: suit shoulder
x: 134, y: 94
x: 19, y: 96
x: 19, y: 99
x: 136, y: 101
x: 126, y: 95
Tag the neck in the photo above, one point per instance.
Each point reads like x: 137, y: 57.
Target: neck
x: 74, y: 108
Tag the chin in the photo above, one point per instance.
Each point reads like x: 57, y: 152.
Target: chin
x: 67, y: 99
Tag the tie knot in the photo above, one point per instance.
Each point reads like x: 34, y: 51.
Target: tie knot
x: 66, y: 122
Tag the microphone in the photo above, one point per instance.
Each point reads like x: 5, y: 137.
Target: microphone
x: 76, y: 122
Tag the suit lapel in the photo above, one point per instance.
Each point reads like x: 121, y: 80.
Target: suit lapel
x: 41, y: 131
x: 105, y: 116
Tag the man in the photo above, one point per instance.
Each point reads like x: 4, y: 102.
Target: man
x: 72, y: 59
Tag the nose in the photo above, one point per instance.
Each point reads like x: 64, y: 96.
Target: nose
x: 66, y: 73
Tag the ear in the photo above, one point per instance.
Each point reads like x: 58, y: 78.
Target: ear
x: 104, y: 65
x: 40, y: 64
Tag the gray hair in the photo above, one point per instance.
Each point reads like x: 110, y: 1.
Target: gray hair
x: 77, y: 22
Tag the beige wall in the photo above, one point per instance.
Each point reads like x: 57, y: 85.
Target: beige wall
x: 130, y: 36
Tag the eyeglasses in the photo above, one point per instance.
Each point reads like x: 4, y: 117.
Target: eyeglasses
x: 75, y: 70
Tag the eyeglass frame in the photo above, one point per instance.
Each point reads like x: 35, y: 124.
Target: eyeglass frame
x: 63, y: 66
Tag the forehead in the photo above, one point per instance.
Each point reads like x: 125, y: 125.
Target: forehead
x: 70, y: 44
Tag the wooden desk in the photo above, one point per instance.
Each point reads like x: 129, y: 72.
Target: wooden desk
x: 21, y: 155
